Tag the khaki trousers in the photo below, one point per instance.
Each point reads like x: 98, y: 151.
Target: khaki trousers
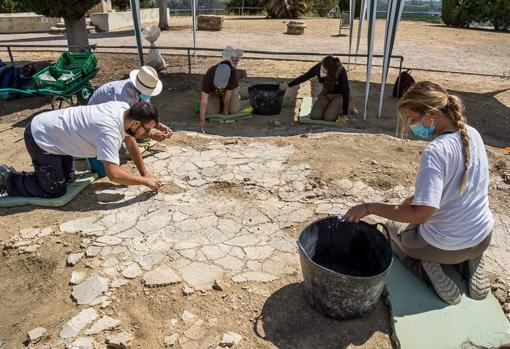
x: 408, y: 239
x: 328, y: 107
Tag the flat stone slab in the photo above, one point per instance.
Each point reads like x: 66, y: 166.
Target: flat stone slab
x: 85, y: 225
x: 105, y: 323
x: 132, y: 271
x: 90, y: 289
x: 161, y: 276
x: 201, y: 276
x: 82, y: 343
x: 77, y: 323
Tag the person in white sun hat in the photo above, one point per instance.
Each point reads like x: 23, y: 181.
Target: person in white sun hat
x: 142, y: 84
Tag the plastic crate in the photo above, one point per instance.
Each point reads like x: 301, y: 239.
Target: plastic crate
x: 84, y: 61
x: 56, y: 84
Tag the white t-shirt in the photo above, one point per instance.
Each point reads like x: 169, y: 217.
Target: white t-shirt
x: 461, y: 221
x: 83, y: 132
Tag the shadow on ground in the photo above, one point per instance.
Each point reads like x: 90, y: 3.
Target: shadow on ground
x: 289, y: 322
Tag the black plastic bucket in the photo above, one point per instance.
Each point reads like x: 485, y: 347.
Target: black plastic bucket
x: 266, y: 99
x: 344, y: 266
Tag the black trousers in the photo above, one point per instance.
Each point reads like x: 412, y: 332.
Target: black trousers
x: 52, y: 172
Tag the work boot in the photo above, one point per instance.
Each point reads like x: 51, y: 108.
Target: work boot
x: 445, y: 287
x: 4, y: 173
x: 478, y: 281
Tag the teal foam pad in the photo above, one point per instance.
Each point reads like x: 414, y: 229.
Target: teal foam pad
x: 73, y: 190
x: 245, y: 113
x: 222, y: 118
x: 306, y: 109
x: 421, y: 320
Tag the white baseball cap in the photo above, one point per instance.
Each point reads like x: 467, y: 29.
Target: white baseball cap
x: 146, y: 81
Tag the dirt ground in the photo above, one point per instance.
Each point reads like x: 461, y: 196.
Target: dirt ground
x: 34, y: 290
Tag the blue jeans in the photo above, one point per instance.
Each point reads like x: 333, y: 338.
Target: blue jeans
x: 52, y: 172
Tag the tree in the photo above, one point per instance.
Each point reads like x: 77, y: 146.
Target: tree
x: 73, y: 12
x: 163, y: 15
x: 498, y: 13
x: 285, y: 8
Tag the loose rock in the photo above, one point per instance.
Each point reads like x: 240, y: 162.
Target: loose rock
x: 170, y: 340
x: 120, y: 340
x: 220, y: 285
x: 35, y: 335
x: 186, y: 290
x: 77, y: 277
x: 188, y: 317
x: 230, y: 339
x: 74, y: 258
x: 500, y: 295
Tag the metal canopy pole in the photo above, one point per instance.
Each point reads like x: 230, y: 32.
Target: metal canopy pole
x: 194, y: 18
x: 135, y: 9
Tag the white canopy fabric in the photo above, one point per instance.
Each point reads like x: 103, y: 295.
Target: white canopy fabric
x: 393, y: 16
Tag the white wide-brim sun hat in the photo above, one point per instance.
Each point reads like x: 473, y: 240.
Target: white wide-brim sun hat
x: 146, y: 81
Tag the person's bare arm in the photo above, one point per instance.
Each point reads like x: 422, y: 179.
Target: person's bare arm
x: 136, y: 155
x: 204, y: 99
x: 226, y: 101
x: 161, y: 132
x: 120, y: 175
x: 415, y: 214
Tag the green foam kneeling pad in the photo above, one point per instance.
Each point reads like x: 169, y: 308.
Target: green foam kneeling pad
x: 421, y: 320
x: 73, y: 189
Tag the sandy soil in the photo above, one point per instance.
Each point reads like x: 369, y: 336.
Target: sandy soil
x: 33, y: 285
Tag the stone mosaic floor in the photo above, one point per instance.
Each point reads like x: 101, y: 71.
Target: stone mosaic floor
x: 223, y: 213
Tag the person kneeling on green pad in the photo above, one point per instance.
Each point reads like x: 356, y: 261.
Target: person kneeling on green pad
x: 219, y: 91
x: 448, y: 219
x: 333, y: 101
x: 55, y: 137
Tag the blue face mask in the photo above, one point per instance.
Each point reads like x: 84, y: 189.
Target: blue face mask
x: 144, y: 98
x: 423, y: 132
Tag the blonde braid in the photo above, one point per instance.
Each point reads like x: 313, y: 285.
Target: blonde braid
x: 455, y: 109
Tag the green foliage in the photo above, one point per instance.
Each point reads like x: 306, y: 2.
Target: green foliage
x: 233, y: 6
x: 449, y: 12
x: 124, y: 5
x: 321, y: 7
x: 69, y: 9
x: 462, y: 13
x: 7, y: 6
x: 498, y: 13
x: 10, y: 6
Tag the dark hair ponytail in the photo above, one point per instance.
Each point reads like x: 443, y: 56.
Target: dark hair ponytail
x: 334, y: 67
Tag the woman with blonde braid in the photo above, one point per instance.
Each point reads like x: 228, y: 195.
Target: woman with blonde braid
x: 448, y: 220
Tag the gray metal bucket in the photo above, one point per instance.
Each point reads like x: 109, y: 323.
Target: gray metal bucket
x: 344, y: 266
